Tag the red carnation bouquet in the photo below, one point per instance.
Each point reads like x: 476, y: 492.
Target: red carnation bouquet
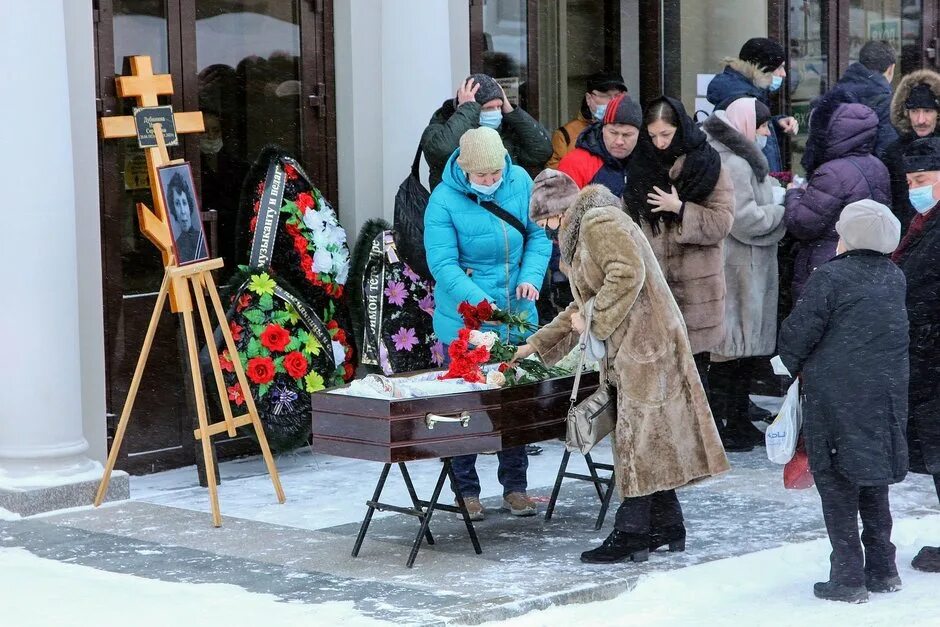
x: 785, y: 177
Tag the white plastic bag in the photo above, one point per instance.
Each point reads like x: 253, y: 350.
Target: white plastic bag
x: 781, y: 436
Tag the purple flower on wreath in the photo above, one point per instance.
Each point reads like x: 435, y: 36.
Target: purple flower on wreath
x: 405, y: 339
x: 427, y: 304
x: 411, y: 274
x: 396, y: 293
x: 437, y: 353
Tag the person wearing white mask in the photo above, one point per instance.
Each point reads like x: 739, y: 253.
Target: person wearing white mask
x: 481, y: 101
x: 601, y: 88
x: 918, y: 256
x: 482, y: 245
x: 758, y: 71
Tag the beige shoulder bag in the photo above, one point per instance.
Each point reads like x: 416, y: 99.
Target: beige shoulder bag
x: 592, y: 419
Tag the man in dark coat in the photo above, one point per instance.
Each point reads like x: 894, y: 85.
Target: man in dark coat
x: 602, y: 152
x: 914, y: 111
x: 867, y: 81
x: 918, y: 256
x: 848, y: 340
x: 481, y: 101
x: 757, y: 72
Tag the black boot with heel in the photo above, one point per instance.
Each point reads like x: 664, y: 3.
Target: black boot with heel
x: 618, y: 547
x: 673, y: 536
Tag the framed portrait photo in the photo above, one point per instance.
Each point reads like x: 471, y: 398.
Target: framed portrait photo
x: 182, y: 208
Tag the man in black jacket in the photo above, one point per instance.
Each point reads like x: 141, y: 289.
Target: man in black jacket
x: 848, y: 339
x: 918, y: 256
x: 914, y: 113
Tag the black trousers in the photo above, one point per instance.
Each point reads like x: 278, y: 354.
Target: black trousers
x: 642, y: 514
x: 729, y: 385
x: 842, y: 504
x: 701, y: 364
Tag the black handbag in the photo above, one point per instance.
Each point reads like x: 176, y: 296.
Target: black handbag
x: 411, y: 201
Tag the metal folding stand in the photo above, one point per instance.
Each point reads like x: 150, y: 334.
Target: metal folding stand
x: 423, y: 510
x: 598, y: 481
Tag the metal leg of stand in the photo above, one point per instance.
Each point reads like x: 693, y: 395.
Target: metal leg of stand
x: 413, y: 495
x: 371, y: 510
x: 605, y: 502
x: 558, y: 479
x: 594, y: 477
x: 426, y: 517
x: 463, y: 507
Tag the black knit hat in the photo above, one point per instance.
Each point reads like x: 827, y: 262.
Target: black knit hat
x: 623, y: 110
x: 922, y: 97
x: 923, y: 155
x: 761, y: 113
x: 877, y: 56
x: 489, y: 88
x: 765, y: 53
x: 603, y: 81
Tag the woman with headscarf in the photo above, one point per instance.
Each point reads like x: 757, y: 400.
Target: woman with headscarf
x: 666, y: 436
x: 683, y: 199
x: 750, y: 324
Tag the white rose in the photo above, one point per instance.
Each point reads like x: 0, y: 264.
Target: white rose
x: 320, y: 237
x: 339, y: 353
x: 312, y: 221
x: 337, y: 234
x: 342, y: 273
x: 495, y: 377
x: 322, y: 261
x: 479, y: 338
x: 341, y: 264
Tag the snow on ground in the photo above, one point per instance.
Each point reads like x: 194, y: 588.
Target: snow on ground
x: 764, y: 589
x: 36, y: 592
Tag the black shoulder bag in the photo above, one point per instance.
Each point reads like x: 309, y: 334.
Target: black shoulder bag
x: 500, y: 213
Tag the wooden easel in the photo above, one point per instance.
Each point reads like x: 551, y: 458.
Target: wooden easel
x: 180, y: 283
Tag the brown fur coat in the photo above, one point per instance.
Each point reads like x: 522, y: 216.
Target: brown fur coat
x: 692, y: 259
x: 666, y: 436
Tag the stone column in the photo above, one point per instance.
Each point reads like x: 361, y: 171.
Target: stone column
x: 43, y: 461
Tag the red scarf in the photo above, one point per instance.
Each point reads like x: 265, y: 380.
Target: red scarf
x: 914, y: 231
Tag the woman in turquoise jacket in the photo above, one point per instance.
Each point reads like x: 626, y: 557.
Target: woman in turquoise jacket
x: 475, y: 255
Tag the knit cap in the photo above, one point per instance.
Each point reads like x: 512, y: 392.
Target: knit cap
x: 922, y: 97
x: 765, y: 53
x: 623, y: 110
x: 481, y: 151
x: 489, y: 88
x: 553, y: 192
x: 869, y: 225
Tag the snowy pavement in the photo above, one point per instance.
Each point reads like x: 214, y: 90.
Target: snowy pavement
x: 162, y: 543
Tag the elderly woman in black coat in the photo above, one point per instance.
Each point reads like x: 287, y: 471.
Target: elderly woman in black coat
x: 848, y: 340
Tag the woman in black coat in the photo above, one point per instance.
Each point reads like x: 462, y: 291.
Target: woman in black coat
x: 848, y: 340
x: 918, y: 256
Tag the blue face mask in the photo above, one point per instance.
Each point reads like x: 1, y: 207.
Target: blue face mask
x: 922, y: 198
x: 600, y: 111
x: 491, y: 119
x: 776, y: 83
x: 486, y: 190
x: 761, y: 141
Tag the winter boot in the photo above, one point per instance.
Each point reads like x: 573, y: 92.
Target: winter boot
x: 619, y: 546
x: 882, y: 584
x: 831, y: 591
x: 928, y: 560
x: 519, y: 504
x: 673, y: 535
x: 474, y: 508
x: 756, y: 413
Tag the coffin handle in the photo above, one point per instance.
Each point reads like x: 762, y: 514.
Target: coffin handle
x: 431, y: 419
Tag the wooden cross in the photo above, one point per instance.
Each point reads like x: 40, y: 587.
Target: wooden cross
x: 146, y: 86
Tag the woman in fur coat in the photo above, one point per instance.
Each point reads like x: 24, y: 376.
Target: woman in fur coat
x: 750, y: 266
x: 682, y: 198
x: 666, y: 437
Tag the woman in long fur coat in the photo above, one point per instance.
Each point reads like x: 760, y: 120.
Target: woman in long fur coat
x: 665, y: 434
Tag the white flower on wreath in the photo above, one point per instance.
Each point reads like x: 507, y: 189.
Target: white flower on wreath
x: 480, y: 338
x: 495, y: 377
x: 341, y: 265
x: 339, y: 353
x: 313, y: 221
x: 322, y: 261
x: 337, y: 234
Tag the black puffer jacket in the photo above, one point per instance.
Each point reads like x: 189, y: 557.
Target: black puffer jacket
x: 848, y: 338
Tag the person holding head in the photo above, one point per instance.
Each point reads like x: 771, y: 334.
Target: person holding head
x: 601, y: 88
x: 757, y: 72
x: 682, y: 198
x: 846, y: 171
x: 750, y: 263
x: 480, y: 101
x: 847, y: 339
x: 914, y: 110
x: 602, y: 152
x: 918, y: 256
x: 190, y: 243
x: 866, y: 81
x: 665, y: 433
x: 476, y: 255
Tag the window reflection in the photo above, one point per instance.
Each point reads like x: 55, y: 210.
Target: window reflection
x: 808, y: 68
x: 897, y: 22
x: 505, y: 54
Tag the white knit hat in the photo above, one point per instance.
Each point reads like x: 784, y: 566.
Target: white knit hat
x: 869, y: 225
x: 481, y: 151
